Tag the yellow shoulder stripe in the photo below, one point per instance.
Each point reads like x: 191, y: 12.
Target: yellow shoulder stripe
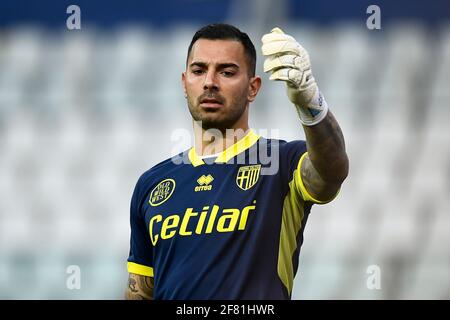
x: 301, y: 186
x: 140, y: 269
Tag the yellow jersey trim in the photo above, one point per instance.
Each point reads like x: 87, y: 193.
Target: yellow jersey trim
x: 291, y: 224
x: 246, y: 142
x: 243, y: 144
x: 140, y: 269
x: 301, y: 186
x: 194, y: 158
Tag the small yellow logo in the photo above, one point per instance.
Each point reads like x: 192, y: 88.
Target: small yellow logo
x: 204, y: 183
x: 162, y: 192
x: 248, y: 176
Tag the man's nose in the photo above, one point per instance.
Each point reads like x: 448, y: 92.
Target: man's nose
x: 210, y: 81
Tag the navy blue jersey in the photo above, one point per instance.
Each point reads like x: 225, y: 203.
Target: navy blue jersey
x: 229, y: 229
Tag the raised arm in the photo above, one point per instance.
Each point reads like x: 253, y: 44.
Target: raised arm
x: 325, y: 166
x: 139, y: 287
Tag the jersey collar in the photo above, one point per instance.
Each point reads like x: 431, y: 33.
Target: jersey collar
x: 246, y: 142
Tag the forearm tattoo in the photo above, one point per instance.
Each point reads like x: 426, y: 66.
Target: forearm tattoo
x: 139, y: 287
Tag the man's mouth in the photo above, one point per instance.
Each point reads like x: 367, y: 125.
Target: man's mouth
x: 210, y: 103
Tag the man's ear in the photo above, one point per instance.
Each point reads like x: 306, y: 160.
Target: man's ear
x: 255, y: 85
x: 183, y: 81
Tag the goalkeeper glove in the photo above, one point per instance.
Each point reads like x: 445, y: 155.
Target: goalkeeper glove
x: 288, y: 61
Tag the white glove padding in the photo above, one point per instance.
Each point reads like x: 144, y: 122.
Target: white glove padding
x: 288, y: 61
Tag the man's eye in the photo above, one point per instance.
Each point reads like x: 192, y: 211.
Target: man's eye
x: 197, y: 71
x: 228, y: 73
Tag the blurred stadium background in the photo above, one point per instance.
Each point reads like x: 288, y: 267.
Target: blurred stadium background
x: 83, y: 113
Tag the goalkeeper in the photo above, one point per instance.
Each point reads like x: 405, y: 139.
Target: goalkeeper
x: 208, y: 223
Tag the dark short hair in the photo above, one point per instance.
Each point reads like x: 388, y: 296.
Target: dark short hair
x: 223, y: 31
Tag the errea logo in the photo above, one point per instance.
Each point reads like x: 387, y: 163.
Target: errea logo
x: 204, y: 183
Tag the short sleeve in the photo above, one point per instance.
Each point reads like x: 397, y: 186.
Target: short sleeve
x: 140, y: 259
x: 292, y: 156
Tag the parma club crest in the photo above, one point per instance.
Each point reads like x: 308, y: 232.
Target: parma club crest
x: 248, y: 176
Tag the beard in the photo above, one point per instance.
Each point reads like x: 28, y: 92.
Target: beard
x: 221, y: 118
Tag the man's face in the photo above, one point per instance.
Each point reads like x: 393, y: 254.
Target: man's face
x: 217, y: 83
